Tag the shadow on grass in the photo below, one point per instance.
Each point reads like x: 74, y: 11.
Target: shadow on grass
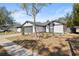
x: 3, y: 52
x: 42, y: 50
x: 27, y: 43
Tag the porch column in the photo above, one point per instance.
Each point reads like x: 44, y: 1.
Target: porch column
x: 47, y: 28
x: 33, y: 29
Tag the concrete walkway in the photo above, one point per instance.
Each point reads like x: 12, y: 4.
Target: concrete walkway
x: 14, y: 49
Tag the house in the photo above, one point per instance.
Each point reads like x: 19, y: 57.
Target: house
x: 49, y: 26
x: 56, y: 27
x: 28, y: 27
x: 16, y: 27
x: 4, y: 28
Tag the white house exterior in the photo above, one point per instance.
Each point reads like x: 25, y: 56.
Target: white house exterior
x: 56, y: 28
x: 18, y: 29
x: 43, y: 27
x: 29, y: 27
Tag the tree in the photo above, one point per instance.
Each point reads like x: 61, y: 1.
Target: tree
x: 69, y: 20
x: 5, y: 17
x: 76, y: 14
x: 32, y: 9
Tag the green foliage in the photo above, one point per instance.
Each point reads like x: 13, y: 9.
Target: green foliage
x: 73, y: 18
x: 5, y: 16
x: 69, y: 19
x: 76, y: 14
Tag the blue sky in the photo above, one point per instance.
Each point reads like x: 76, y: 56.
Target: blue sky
x: 50, y: 12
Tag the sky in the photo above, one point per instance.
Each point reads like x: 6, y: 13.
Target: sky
x: 50, y: 12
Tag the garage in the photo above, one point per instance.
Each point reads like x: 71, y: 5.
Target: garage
x: 58, y: 29
x: 28, y: 29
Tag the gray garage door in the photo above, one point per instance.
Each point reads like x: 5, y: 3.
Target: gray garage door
x: 28, y: 29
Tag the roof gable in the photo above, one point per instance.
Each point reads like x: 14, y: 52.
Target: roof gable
x: 43, y: 24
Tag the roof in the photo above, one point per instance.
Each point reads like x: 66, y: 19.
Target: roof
x: 43, y: 24
x: 46, y: 23
x: 37, y: 23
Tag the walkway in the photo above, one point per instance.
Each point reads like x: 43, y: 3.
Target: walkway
x: 14, y: 49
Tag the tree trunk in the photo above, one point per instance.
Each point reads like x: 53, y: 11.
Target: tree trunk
x: 22, y: 31
x: 53, y: 29
x: 35, y: 26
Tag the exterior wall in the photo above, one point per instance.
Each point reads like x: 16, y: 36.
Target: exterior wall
x: 28, y: 29
x: 40, y: 29
x: 58, y: 29
x: 51, y: 28
x: 13, y: 29
x: 47, y: 28
x: 18, y: 29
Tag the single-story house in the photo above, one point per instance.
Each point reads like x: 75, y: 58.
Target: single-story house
x: 8, y: 27
x: 15, y: 29
x: 4, y: 28
x: 50, y: 26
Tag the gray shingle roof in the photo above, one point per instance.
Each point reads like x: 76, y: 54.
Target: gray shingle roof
x: 45, y: 23
x: 37, y: 23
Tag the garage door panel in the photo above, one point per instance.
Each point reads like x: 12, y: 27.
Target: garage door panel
x: 28, y: 29
x: 58, y: 29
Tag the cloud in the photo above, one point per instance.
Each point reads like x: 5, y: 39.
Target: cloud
x: 20, y: 16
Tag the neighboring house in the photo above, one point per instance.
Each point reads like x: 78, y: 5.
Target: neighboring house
x: 5, y: 27
x: 16, y: 27
x: 8, y: 27
x: 50, y: 26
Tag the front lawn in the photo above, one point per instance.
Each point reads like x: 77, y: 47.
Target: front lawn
x: 45, y: 43
x: 7, y: 33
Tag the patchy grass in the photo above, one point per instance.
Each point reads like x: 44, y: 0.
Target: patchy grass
x: 7, y: 33
x: 45, y: 43
x: 3, y: 52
